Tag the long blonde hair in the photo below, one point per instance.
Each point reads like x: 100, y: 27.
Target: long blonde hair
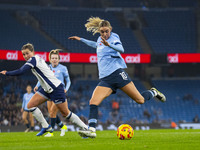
x: 94, y: 23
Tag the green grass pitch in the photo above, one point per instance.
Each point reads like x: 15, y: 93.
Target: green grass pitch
x: 106, y: 140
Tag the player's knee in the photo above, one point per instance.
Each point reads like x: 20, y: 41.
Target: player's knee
x: 65, y: 113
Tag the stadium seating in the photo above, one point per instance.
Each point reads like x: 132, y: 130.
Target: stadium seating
x: 126, y: 3
x: 15, y: 34
x: 60, y: 24
x: 66, y: 3
x: 182, y: 99
x: 21, y: 2
x: 182, y: 3
x: 171, y: 31
x: 167, y: 31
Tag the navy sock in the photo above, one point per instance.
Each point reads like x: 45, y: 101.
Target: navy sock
x: 32, y: 128
x: 27, y: 125
x: 53, y: 122
x: 147, y: 95
x: 93, y: 116
x: 59, y: 122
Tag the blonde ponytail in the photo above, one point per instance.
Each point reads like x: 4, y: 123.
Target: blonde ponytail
x: 93, y: 24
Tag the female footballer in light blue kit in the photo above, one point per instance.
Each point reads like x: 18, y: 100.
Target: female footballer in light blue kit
x: 52, y: 88
x: 62, y: 74
x: 25, y: 112
x: 111, y: 73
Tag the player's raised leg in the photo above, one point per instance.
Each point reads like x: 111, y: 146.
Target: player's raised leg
x: 132, y: 92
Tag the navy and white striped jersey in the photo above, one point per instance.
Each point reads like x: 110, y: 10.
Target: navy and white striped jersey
x: 41, y: 70
x: 62, y: 74
x: 44, y: 74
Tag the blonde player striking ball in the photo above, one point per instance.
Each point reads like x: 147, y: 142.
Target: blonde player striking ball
x: 111, y: 71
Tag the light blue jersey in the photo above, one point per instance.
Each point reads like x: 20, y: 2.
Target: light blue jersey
x: 26, y: 99
x: 109, y: 58
x: 62, y: 74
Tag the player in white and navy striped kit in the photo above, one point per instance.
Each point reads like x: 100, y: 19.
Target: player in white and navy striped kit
x: 52, y: 88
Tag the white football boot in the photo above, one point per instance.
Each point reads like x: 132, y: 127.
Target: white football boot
x: 49, y: 134
x: 63, y: 130
x: 159, y: 95
x: 90, y: 132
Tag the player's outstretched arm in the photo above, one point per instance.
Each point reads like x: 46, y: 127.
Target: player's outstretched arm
x: 87, y: 42
x: 75, y: 38
x: 17, y: 72
x: 3, y: 72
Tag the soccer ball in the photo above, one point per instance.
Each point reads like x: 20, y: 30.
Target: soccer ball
x: 125, y: 132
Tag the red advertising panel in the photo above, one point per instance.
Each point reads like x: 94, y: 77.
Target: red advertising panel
x: 9, y: 55
x: 83, y: 58
x: 137, y: 58
x: 184, y: 58
x: 75, y: 57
